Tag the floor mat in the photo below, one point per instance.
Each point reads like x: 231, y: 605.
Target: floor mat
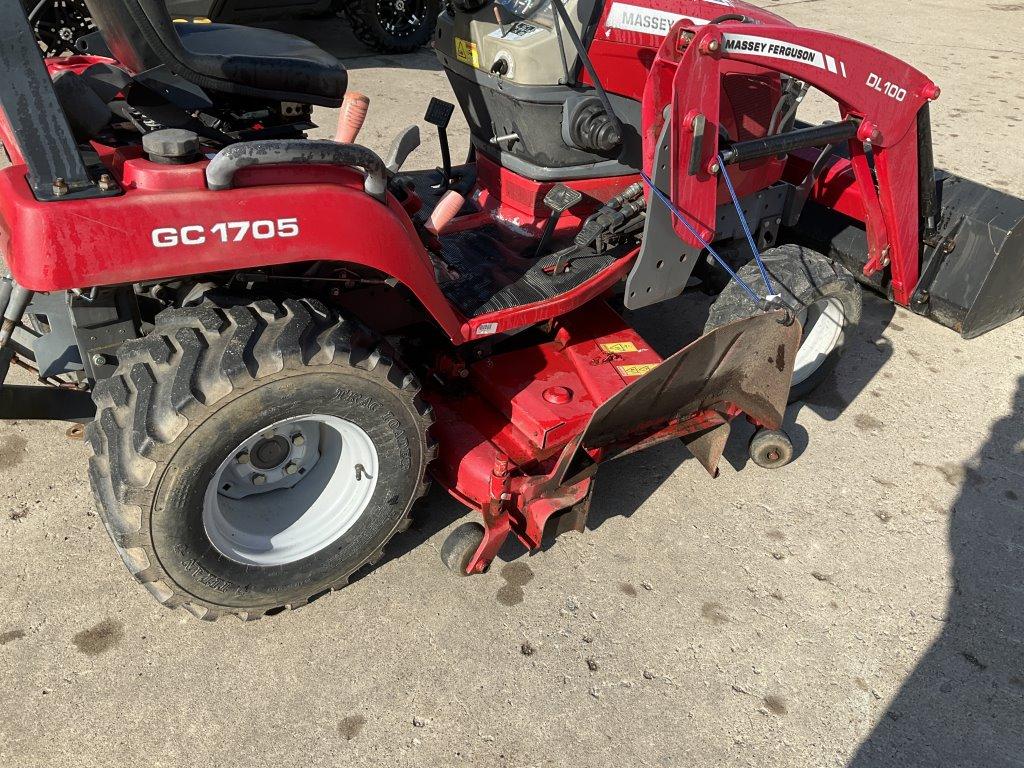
x: 489, y: 276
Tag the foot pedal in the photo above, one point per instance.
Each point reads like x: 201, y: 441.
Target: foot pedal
x: 439, y: 114
x: 559, y: 200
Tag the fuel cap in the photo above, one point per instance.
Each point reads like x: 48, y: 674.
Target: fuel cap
x: 171, y: 146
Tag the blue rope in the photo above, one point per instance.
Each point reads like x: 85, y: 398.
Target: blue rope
x: 722, y: 262
x: 746, y: 230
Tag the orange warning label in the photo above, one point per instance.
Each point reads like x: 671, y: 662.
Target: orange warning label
x: 467, y: 52
x: 619, y: 347
x: 635, y: 371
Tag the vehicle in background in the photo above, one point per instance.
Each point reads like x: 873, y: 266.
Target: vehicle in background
x: 397, y: 26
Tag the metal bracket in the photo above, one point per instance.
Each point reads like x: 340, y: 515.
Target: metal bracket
x: 665, y: 263
x: 56, y: 170
x: 82, y: 334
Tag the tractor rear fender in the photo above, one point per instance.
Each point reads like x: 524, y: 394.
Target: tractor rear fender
x: 168, y: 224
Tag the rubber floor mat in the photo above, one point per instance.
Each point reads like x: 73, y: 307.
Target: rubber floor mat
x: 489, y: 276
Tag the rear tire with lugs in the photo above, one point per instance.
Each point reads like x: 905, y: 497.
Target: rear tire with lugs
x: 269, y: 396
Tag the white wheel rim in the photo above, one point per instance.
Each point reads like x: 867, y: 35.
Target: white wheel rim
x: 824, y: 324
x: 290, y: 490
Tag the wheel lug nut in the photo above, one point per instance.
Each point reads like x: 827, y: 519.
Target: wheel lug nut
x: 259, y: 479
x: 243, y: 457
x: 291, y: 469
x: 298, y: 440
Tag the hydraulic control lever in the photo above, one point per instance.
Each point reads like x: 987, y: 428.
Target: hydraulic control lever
x: 616, y: 212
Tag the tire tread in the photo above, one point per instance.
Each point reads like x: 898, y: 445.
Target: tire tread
x: 194, y: 359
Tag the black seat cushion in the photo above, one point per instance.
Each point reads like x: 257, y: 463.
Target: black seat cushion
x: 283, y: 65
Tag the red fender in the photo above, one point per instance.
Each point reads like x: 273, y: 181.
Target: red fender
x: 167, y: 225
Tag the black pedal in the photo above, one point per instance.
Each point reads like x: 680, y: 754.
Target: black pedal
x: 439, y: 113
x: 587, y: 236
x: 559, y: 200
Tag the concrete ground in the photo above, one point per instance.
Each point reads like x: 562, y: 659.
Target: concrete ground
x: 860, y: 607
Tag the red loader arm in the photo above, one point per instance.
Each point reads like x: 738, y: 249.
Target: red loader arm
x: 880, y: 93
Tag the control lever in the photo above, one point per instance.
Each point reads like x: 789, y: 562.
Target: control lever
x: 559, y: 200
x: 499, y: 17
x: 405, y: 143
x: 439, y: 113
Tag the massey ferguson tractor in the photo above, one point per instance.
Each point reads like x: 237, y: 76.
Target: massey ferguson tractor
x: 286, y: 338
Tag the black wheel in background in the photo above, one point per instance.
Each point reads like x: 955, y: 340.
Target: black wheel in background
x: 393, y: 26
x: 58, y: 24
x: 460, y: 546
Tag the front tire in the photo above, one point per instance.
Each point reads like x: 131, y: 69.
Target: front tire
x: 236, y: 387
x: 828, y: 300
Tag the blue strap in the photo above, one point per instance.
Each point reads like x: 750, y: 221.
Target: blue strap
x: 706, y: 245
x: 746, y: 230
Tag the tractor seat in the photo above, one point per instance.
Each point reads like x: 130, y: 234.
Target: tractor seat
x: 265, y: 60
x: 219, y: 58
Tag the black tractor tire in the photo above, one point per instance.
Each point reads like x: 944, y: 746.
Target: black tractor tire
x: 806, y: 280
x: 392, y: 27
x: 187, y: 394
x: 58, y: 24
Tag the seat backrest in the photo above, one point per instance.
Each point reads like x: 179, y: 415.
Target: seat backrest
x: 258, y: 64
x: 139, y: 33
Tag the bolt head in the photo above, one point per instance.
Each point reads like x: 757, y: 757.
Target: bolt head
x: 99, y: 360
x: 259, y: 479
x: 713, y: 169
x: 243, y: 457
x: 298, y: 440
x: 291, y: 469
x: 713, y: 46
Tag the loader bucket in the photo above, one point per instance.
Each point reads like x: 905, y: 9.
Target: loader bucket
x: 973, y: 278
x: 747, y: 365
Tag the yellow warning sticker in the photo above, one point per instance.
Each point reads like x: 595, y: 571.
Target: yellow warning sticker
x: 619, y: 347
x: 635, y: 371
x: 467, y: 52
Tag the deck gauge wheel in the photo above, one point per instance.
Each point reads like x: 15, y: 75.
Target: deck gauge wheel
x: 460, y: 546
x: 771, y: 448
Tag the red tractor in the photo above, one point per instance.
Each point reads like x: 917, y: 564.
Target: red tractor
x: 285, y: 338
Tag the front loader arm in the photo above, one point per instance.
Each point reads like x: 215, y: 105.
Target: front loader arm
x: 879, y: 98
